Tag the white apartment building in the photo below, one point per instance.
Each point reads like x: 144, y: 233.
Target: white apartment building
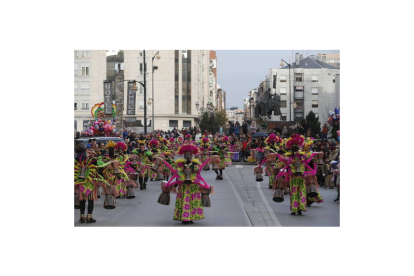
x: 314, y: 86
x: 90, y: 72
x: 235, y: 115
x: 176, y: 91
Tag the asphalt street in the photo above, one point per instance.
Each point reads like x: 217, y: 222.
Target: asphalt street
x: 239, y: 201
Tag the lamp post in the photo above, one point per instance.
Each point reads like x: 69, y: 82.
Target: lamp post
x: 290, y: 100
x: 157, y: 55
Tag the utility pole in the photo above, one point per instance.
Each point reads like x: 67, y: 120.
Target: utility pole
x: 145, y: 96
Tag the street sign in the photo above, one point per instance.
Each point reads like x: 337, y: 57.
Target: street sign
x: 131, y: 122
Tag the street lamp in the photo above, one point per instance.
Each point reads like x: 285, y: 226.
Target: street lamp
x: 157, y: 55
x: 290, y: 100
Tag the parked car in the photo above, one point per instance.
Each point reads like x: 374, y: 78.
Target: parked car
x: 99, y: 140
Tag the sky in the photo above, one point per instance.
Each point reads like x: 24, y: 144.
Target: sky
x: 240, y: 71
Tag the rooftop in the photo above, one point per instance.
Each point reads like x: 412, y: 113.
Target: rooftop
x: 310, y: 63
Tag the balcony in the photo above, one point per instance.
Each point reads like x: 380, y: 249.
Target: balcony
x: 299, y: 82
x: 299, y: 95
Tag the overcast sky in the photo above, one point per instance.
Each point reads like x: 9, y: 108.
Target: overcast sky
x: 239, y: 71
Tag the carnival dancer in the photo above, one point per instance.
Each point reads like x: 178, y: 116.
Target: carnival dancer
x: 115, y: 172
x: 180, y: 141
x: 169, y: 158
x: 270, y: 157
x: 204, y: 151
x: 153, y: 147
x: 296, y: 162
x: 189, y: 205
x: 144, y: 165
x: 188, y: 139
x: 217, y: 158
x: 86, y: 183
x: 336, y: 172
x: 313, y: 194
x: 172, y: 146
x: 226, y: 149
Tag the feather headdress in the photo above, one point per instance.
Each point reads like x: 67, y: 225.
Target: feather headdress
x: 205, y: 140
x: 172, y: 140
x: 273, y: 139
x: 188, y: 148
x: 225, y: 139
x: 120, y: 146
x: 188, y: 136
x: 295, y: 139
x: 111, y: 144
x: 153, y: 143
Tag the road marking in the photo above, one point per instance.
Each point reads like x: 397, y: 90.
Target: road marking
x: 246, y: 216
x: 266, y: 203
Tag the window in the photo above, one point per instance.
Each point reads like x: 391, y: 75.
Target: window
x: 173, y: 123
x: 315, y: 78
x: 298, y: 77
x: 314, y: 90
x: 76, y: 69
x: 282, y: 79
x: 282, y: 103
x: 283, y: 117
x: 314, y: 103
x: 140, y: 69
x: 85, y: 85
x: 333, y: 80
x: 299, y: 103
x: 85, y: 106
x: 298, y: 88
x: 140, y: 104
x: 282, y: 90
x: 83, y: 53
x: 76, y: 106
x: 186, y: 123
x: 85, y: 71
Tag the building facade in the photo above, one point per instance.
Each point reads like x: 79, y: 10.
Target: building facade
x: 235, y: 115
x: 179, y: 85
x: 308, y: 85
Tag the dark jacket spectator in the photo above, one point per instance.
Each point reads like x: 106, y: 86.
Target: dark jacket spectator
x: 231, y: 128
x: 244, y: 127
x: 237, y: 128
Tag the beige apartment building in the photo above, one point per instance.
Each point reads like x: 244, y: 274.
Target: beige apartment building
x: 180, y: 84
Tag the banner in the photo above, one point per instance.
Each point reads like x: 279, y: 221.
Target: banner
x: 131, y: 99
x: 107, y: 98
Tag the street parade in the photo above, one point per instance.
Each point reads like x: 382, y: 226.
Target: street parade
x: 292, y: 167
